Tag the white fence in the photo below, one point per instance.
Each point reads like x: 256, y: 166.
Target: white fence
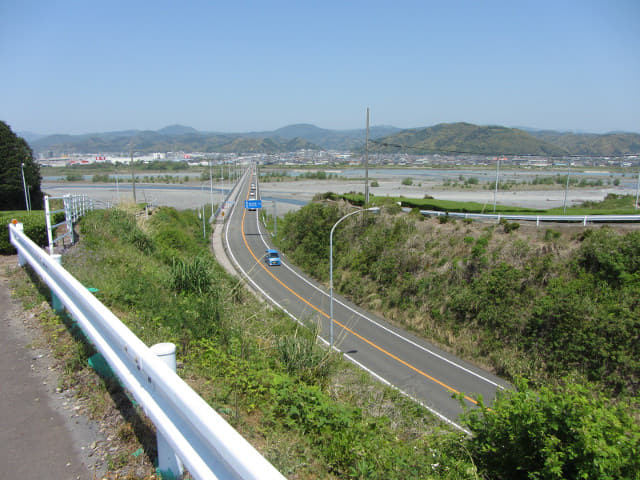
x: 197, y: 436
x: 584, y: 219
x: 74, y: 206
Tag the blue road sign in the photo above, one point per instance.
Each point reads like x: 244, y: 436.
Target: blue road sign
x: 252, y: 204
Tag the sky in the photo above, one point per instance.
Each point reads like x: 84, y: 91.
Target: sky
x: 75, y: 67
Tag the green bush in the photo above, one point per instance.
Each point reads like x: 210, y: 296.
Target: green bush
x: 308, y: 246
x: 407, y: 182
x: 610, y: 256
x: 35, y: 228
x: 101, y: 178
x: 563, y: 433
x: 550, y: 235
x: 509, y: 226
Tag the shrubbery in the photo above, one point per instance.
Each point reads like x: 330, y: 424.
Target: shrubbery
x: 34, y: 224
x: 571, y: 310
x: 563, y: 433
x: 538, y: 307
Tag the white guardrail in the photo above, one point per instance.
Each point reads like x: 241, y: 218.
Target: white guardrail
x: 189, y: 431
x: 584, y: 219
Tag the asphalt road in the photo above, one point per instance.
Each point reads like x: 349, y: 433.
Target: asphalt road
x: 42, y: 434
x: 412, y: 365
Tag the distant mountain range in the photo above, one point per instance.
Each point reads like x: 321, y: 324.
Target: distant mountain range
x: 443, y: 138
x: 466, y: 138
x: 182, y: 138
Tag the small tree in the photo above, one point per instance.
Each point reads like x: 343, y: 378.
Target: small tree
x: 407, y: 182
x: 14, y: 151
x: 568, y: 433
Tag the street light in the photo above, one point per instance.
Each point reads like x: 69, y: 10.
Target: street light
x: 24, y: 185
x: 372, y: 209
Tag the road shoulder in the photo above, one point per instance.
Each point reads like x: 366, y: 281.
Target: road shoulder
x: 43, y: 433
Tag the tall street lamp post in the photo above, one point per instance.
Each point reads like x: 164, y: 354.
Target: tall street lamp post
x: 372, y: 209
x: 24, y: 185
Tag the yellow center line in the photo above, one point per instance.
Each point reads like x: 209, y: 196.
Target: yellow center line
x: 406, y: 364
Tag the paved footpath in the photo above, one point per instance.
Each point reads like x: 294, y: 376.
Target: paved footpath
x: 41, y: 437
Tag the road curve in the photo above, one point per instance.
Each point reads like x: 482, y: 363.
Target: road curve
x: 412, y: 365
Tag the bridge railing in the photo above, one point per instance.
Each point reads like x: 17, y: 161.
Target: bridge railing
x: 199, y: 438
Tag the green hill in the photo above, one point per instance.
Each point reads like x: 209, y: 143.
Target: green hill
x: 591, y: 144
x: 465, y: 138
x: 168, y: 140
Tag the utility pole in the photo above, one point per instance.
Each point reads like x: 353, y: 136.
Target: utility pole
x: 133, y: 175
x: 566, y: 188
x: 117, y: 184
x: 211, y: 187
x: 637, y: 189
x: 495, y: 191
x: 366, y: 165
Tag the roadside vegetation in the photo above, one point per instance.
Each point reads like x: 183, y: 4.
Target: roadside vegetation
x: 612, y: 205
x: 564, y: 300
x: 557, y: 306
x: 311, y: 414
x: 561, y: 314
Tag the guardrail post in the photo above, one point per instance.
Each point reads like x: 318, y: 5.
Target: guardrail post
x: 47, y: 218
x: 56, y: 304
x: 167, y: 459
x: 68, y: 212
x: 20, y: 227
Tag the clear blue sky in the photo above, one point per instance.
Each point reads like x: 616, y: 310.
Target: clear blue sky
x: 86, y: 66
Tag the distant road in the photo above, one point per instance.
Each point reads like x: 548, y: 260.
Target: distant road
x: 413, y: 365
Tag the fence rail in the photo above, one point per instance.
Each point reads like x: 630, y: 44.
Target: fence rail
x: 198, y: 436
x: 74, y: 206
x: 584, y: 219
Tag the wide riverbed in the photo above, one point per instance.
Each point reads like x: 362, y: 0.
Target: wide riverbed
x: 293, y: 194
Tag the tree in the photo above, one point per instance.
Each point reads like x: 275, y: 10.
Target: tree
x: 14, y: 151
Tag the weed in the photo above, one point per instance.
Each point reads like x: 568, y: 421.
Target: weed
x: 551, y: 235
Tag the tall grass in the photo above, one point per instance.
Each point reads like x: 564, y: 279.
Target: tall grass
x: 190, y: 276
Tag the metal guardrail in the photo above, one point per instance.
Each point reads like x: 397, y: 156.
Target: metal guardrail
x: 584, y: 219
x: 74, y: 206
x: 198, y: 436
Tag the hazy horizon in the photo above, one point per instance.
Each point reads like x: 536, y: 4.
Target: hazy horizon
x: 521, y: 127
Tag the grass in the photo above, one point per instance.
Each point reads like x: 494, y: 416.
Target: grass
x: 310, y: 413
